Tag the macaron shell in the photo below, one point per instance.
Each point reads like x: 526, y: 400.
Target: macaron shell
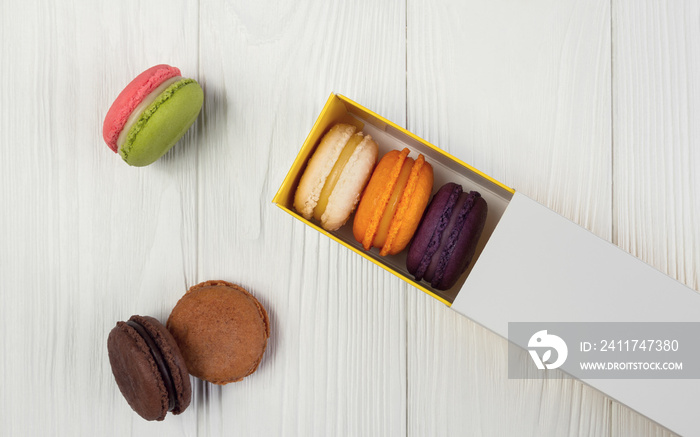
x: 346, y: 194
x: 319, y: 167
x: 131, y: 97
x: 376, y: 195
x: 163, y: 123
x: 173, y: 358
x: 441, y: 256
x: 221, y: 330
x: 444, y: 245
x: 397, y: 195
x: 136, y: 373
x: 433, y: 217
x: 464, y: 246
x: 411, y: 208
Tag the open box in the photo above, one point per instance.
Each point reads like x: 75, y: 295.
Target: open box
x: 388, y: 136
x: 531, y: 265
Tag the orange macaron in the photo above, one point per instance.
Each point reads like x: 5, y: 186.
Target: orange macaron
x: 393, y: 202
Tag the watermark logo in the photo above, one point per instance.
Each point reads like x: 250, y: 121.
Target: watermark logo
x: 541, y: 339
x: 604, y: 350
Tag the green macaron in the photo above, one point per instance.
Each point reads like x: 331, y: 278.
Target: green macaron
x: 163, y: 123
x: 151, y: 114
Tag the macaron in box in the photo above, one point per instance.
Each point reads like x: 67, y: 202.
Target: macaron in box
x: 390, y: 137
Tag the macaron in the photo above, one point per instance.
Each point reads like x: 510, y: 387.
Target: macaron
x: 148, y: 368
x: 447, y: 237
x: 222, y: 331
x: 335, y: 176
x: 151, y: 114
x: 393, y: 202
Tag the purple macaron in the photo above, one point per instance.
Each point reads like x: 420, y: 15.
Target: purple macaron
x: 447, y: 237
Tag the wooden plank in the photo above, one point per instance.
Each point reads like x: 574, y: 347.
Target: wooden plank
x: 336, y: 362
x: 626, y: 422
x: 86, y: 240
x: 522, y: 92
x: 656, y: 104
x: 656, y: 136
x: 459, y: 384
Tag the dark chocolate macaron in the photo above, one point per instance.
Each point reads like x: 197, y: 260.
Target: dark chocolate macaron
x: 446, y: 239
x: 149, y: 368
x: 222, y: 331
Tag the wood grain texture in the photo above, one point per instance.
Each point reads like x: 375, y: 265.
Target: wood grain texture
x: 625, y: 422
x: 657, y: 134
x: 86, y: 240
x: 656, y: 189
x: 522, y: 92
x: 458, y: 384
x: 336, y: 362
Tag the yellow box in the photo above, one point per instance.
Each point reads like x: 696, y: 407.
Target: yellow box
x: 535, y: 266
x: 390, y: 136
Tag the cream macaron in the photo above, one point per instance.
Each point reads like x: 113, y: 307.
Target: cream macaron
x: 335, y: 176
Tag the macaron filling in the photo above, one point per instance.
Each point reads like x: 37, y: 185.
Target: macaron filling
x: 371, y: 230
x: 160, y: 361
x: 402, y: 207
x: 139, y: 110
x: 335, y: 173
x: 436, y: 238
x: 392, y: 205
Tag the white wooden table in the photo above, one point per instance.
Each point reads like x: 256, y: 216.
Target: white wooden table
x: 591, y: 107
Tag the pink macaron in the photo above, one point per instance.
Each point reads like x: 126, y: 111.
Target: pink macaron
x: 151, y: 114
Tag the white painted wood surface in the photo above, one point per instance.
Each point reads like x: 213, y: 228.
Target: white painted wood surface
x: 522, y: 93
x: 589, y: 107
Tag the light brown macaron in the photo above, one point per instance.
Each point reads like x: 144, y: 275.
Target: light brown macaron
x: 221, y: 330
x: 335, y: 176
